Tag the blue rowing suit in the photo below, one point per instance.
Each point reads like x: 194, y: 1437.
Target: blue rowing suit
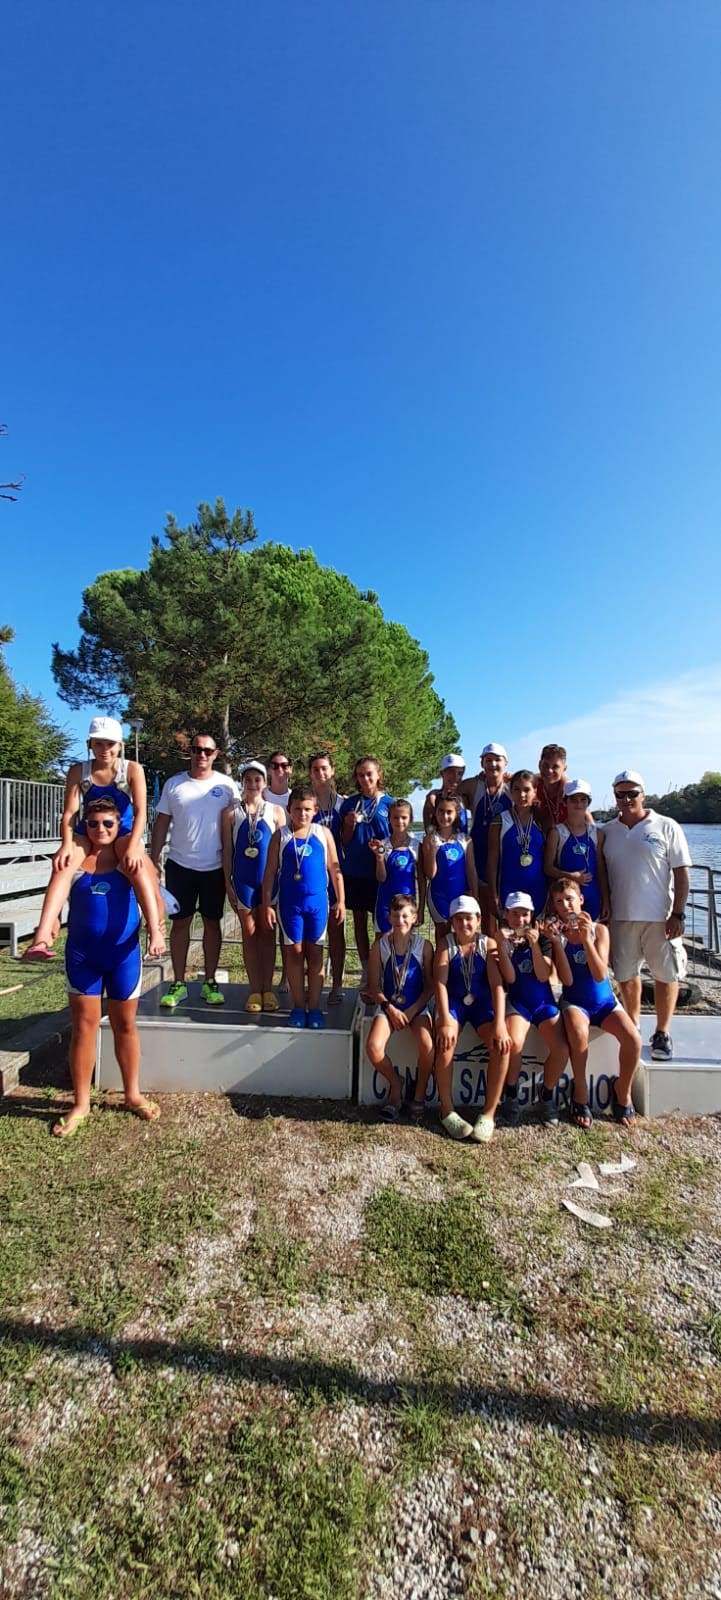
x: 251, y: 834
x: 512, y: 876
x: 485, y: 808
x: 331, y: 819
x: 451, y: 878
x: 303, y: 886
x: 592, y: 995
x: 400, y: 879
x: 103, y: 948
x: 481, y: 1008
x: 529, y: 995
x: 578, y: 853
x: 358, y: 860
x: 413, y: 982
x: 118, y: 790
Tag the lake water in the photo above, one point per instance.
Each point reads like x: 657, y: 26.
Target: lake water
x: 704, y: 842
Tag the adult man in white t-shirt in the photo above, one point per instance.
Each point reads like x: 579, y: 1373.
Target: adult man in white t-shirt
x: 191, y: 805
x: 647, y: 859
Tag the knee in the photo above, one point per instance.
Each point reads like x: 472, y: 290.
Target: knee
x: 123, y: 1027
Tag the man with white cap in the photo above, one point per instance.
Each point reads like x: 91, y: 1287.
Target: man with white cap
x: 647, y: 860
x: 487, y: 795
x: 192, y: 806
x: 451, y: 769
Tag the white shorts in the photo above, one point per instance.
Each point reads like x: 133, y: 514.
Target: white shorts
x: 635, y: 942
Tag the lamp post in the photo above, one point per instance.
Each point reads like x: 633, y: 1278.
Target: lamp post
x: 137, y: 725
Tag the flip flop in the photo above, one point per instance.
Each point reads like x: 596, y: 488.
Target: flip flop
x: 390, y: 1113
x: 149, y: 1111
x: 39, y: 952
x: 625, y: 1116
x: 66, y: 1126
x: 581, y: 1116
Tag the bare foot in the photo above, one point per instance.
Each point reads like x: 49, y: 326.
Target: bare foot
x: 69, y: 1124
x: 147, y: 1110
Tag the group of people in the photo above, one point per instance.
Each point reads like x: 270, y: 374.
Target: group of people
x: 523, y: 888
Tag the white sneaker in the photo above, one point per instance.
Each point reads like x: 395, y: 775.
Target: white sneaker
x: 455, y: 1126
x: 483, y: 1131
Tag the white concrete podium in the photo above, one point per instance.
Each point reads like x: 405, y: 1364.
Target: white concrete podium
x: 690, y: 1084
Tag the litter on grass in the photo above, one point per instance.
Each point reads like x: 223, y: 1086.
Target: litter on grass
x: 594, y: 1218
x: 586, y: 1177
x: 611, y: 1169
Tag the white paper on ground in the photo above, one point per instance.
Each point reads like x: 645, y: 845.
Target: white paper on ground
x: 610, y: 1169
x: 587, y: 1178
x: 593, y: 1217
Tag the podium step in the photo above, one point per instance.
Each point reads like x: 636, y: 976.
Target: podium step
x: 688, y: 1085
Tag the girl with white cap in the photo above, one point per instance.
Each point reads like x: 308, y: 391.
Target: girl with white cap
x: 247, y: 827
x: 469, y: 988
x: 526, y: 961
x: 451, y: 770
x: 105, y: 775
x: 574, y: 849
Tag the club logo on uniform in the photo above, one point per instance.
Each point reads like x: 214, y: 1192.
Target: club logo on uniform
x: 216, y: 792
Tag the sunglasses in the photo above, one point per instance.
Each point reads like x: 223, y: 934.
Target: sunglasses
x: 203, y: 749
x: 101, y: 822
x: 627, y: 794
x: 281, y: 766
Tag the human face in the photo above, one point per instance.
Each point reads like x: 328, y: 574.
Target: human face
x: 578, y: 805
x: 523, y: 794
x: 301, y: 813
x: 403, y: 918
x: 252, y: 785
x: 445, y: 814
x: 280, y: 773
x: 102, y: 827
x: 399, y: 818
x: 450, y: 778
x: 203, y: 752
x: 494, y: 768
x: 104, y: 750
x: 552, y: 769
x: 367, y: 777
x: 567, y: 903
x: 630, y: 801
x: 321, y: 772
x: 519, y: 917
x: 465, y: 925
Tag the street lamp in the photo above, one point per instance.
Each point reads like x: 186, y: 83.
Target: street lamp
x: 137, y: 725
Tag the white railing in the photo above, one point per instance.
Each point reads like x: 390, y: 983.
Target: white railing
x: 30, y: 810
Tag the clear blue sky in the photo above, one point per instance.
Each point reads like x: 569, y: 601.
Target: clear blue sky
x: 432, y: 287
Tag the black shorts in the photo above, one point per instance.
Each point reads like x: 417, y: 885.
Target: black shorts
x: 204, y: 891
x: 360, y: 893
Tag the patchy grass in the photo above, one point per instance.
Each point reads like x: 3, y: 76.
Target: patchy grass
x: 439, y: 1247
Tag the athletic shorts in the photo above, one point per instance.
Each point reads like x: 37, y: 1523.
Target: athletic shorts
x: 117, y: 974
x: 196, y: 891
x: 248, y: 896
x: 635, y: 942
x: 595, y: 1018
x: 360, y: 893
x: 543, y: 1013
x: 477, y: 1014
x: 304, y: 926
x: 439, y: 913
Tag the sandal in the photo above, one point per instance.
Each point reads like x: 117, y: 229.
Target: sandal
x: 625, y: 1116
x: 417, y: 1110
x: 390, y: 1113
x: 581, y: 1116
x: 66, y: 1126
x: 40, y: 951
x: 146, y: 1110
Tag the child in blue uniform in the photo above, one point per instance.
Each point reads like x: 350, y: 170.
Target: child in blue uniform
x: 400, y: 981
x: 363, y: 817
x: 303, y: 854
x: 448, y: 864
x: 247, y: 828
x: 516, y: 849
x: 574, y: 849
x: 452, y: 769
x: 524, y: 957
x: 102, y: 955
x: 487, y: 797
x: 580, y: 953
x: 328, y: 803
x: 396, y: 865
x: 469, y: 988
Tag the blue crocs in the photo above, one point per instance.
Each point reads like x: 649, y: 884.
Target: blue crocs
x: 315, y: 1019
x: 297, y: 1018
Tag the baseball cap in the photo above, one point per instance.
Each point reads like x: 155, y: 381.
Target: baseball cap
x: 629, y: 776
x: 254, y: 766
x: 519, y: 901
x: 464, y: 902
x: 577, y: 786
x: 106, y: 728
x: 452, y: 761
x: 494, y: 750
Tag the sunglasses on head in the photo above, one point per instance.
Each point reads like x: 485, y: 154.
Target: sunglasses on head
x: 203, y: 749
x: 100, y: 822
x: 627, y: 794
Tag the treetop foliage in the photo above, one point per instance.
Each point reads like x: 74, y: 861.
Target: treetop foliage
x: 31, y: 744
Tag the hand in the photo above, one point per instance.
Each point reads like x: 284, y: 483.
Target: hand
x: 338, y: 912
x: 605, y: 911
x: 133, y: 860
x: 270, y: 918
x: 250, y: 925
x: 350, y: 822
x: 446, y: 1036
x: 585, y: 877
x: 552, y: 929
x: 584, y: 925
x: 532, y: 935
x: 501, y: 1040
x: 376, y: 845
x: 397, y: 1018
x: 156, y: 942
x: 674, y: 927
x: 62, y: 857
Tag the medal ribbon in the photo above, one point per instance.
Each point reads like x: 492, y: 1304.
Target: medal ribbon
x: 400, y: 973
x: 299, y: 859
x: 253, y: 820
x: 523, y: 834
x: 467, y: 966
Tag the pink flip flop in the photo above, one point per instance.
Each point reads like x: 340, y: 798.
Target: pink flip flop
x: 38, y: 952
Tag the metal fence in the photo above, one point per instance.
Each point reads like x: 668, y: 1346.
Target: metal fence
x: 703, y: 916
x: 30, y: 810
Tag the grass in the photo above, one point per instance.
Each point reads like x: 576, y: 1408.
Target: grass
x: 440, y: 1247
x: 44, y: 991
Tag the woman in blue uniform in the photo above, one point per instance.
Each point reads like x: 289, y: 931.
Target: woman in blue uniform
x: 516, y: 849
x: 574, y: 849
x: 525, y: 960
x: 448, y: 864
x: 328, y: 803
x: 102, y: 956
x: 363, y: 817
x: 303, y: 855
x: 580, y: 954
x: 396, y: 865
x: 469, y: 988
x: 400, y: 981
x: 248, y: 826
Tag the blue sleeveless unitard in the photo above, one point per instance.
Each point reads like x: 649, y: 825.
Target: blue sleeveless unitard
x: 400, y: 879
x: 484, y: 811
x: 482, y: 1008
x: 451, y: 878
x: 331, y: 819
x: 118, y: 790
x: 358, y: 860
x: 103, y: 948
x: 594, y: 996
x: 303, y: 886
x: 580, y: 855
x: 511, y: 875
x: 413, y: 983
x: 529, y: 995
x: 251, y: 834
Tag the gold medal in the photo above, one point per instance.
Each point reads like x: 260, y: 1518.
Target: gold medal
x: 526, y: 861
x: 251, y: 850
x: 297, y: 876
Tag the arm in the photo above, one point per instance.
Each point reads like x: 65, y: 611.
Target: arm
x: 373, y: 989
x: 160, y: 833
x: 139, y: 797
x: 494, y: 852
x: 423, y: 999
x: 429, y: 810
x: 674, y: 928
x: 560, y: 959
x: 501, y: 1038
x: 336, y: 876
x: 471, y: 874
x: 226, y: 834
x: 445, y: 1030
x: 348, y: 826
x: 505, y: 964
x: 428, y: 855
x: 602, y: 874
x: 149, y: 906
x: 381, y: 868
x: 542, y: 965
x: 420, y: 886
x: 271, y: 867
x: 71, y: 807
x: 596, y: 948
x: 549, y: 858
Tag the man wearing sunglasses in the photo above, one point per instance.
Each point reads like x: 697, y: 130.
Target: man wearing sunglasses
x: 191, y: 806
x: 647, y: 859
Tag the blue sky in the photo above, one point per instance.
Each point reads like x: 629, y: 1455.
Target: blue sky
x: 432, y: 287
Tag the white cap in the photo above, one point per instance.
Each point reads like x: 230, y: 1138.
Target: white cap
x: 519, y: 901
x: 577, y: 786
x: 452, y: 761
x: 254, y: 766
x: 106, y: 728
x: 629, y: 776
x: 494, y: 750
x: 464, y: 902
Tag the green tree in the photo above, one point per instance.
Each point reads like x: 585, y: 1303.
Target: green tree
x: 31, y: 744
x: 263, y: 646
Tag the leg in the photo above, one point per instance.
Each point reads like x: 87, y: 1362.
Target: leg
x: 631, y: 997
x: 336, y: 950
x: 360, y: 926
x: 146, y: 867
x: 380, y: 1032
x: 265, y: 948
x: 443, y: 1071
x: 122, y: 1015
x: 576, y: 1026
x: 552, y: 1033
x: 250, y: 934
x: 313, y: 956
x: 629, y: 1051
x: 212, y: 941
x: 497, y: 1069
x: 423, y: 1035
x: 85, y: 1012
x: 179, y: 942
x: 666, y: 996
x: 296, y: 975
x: 518, y: 1027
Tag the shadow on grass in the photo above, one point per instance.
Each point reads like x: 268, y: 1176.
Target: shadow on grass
x: 338, y: 1381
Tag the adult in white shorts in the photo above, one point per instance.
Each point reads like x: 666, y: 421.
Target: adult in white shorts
x: 647, y: 858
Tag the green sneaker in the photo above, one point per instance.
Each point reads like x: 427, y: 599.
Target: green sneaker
x: 175, y: 996
x: 212, y: 994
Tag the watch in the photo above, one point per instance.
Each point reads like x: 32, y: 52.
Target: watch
x: 679, y: 915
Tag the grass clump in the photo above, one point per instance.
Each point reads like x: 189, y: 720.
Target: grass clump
x: 439, y: 1247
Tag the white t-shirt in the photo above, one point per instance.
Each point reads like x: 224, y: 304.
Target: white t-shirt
x: 640, y: 862
x: 195, y: 807
x: 277, y: 799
